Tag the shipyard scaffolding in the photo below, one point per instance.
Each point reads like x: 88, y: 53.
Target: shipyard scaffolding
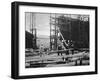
x: 33, y: 30
x: 56, y: 37
x: 70, y: 31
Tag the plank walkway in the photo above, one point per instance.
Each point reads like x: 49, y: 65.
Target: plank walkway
x: 54, y: 57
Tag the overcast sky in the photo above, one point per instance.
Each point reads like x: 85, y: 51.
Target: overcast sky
x: 41, y: 23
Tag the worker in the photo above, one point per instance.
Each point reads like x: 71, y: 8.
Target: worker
x: 59, y: 48
x: 41, y: 50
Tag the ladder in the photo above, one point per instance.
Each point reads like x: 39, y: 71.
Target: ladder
x: 64, y: 42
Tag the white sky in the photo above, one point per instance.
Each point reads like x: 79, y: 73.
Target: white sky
x: 41, y: 23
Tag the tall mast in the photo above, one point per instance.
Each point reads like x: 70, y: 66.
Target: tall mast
x: 50, y: 33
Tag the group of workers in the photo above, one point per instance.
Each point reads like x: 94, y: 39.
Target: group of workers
x: 43, y: 50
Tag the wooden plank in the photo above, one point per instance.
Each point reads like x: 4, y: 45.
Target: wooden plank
x: 48, y: 57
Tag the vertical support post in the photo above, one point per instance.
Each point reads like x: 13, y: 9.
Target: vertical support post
x: 79, y: 26
x: 50, y: 33
x: 70, y: 28
x: 55, y: 46
x: 33, y: 31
